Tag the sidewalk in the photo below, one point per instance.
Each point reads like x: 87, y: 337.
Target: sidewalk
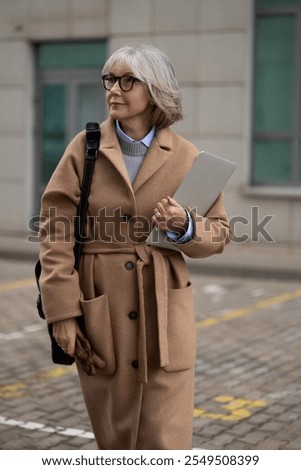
x: 269, y: 260
x: 254, y: 260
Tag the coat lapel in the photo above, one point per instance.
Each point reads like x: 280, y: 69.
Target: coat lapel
x: 110, y: 147
x: 156, y: 156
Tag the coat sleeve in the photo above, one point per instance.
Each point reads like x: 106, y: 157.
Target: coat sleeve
x: 211, y: 232
x: 59, y: 280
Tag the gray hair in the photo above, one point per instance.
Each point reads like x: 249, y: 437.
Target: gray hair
x: 154, y: 68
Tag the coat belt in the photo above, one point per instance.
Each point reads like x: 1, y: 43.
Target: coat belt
x: 146, y: 254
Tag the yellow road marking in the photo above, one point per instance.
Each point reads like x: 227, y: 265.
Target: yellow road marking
x: 206, y: 323
x: 242, y: 312
x: 17, y: 389
x: 55, y: 373
x: 13, y: 390
x: 6, y: 286
x: 236, y: 408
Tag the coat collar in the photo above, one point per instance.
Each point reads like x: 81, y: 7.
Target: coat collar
x: 157, y: 155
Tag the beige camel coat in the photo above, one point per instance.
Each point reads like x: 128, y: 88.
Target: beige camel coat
x: 136, y: 300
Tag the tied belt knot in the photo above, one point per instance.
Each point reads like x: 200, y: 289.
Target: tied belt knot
x: 146, y: 255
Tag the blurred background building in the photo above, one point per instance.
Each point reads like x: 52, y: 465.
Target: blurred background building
x: 239, y: 66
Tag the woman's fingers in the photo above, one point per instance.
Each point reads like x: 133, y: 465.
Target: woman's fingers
x: 170, y: 215
x: 65, y: 332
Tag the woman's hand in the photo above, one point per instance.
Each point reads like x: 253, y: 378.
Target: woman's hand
x: 169, y: 215
x: 65, y: 332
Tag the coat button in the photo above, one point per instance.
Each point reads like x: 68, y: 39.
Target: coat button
x: 133, y: 315
x: 129, y: 265
x: 135, y: 364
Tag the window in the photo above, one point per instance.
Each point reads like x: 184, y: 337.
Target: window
x: 276, y: 158
x: 70, y: 93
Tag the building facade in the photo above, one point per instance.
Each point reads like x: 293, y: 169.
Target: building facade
x: 239, y: 67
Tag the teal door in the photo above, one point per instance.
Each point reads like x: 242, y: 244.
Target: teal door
x: 70, y: 93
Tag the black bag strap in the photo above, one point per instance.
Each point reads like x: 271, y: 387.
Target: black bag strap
x: 92, y: 146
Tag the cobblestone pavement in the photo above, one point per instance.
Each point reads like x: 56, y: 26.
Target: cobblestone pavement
x: 248, y: 374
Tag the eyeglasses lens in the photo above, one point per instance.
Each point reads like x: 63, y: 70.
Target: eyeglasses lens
x: 125, y: 83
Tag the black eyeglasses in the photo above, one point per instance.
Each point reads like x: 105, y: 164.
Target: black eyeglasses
x: 126, y: 82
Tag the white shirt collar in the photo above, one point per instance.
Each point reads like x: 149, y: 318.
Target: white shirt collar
x: 147, y: 140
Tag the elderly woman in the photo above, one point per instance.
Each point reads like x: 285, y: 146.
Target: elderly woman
x: 134, y: 301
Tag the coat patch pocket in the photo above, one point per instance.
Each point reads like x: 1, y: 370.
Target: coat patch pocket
x: 98, y: 329
x: 181, y: 329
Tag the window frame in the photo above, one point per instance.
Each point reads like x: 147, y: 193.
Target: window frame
x: 74, y: 78
x: 47, y: 74
x: 295, y: 136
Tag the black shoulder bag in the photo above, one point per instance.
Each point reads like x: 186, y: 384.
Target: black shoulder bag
x: 92, y: 146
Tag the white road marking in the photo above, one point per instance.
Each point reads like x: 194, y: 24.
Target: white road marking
x: 213, y: 289
x: 21, y: 333
x: 33, y: 426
